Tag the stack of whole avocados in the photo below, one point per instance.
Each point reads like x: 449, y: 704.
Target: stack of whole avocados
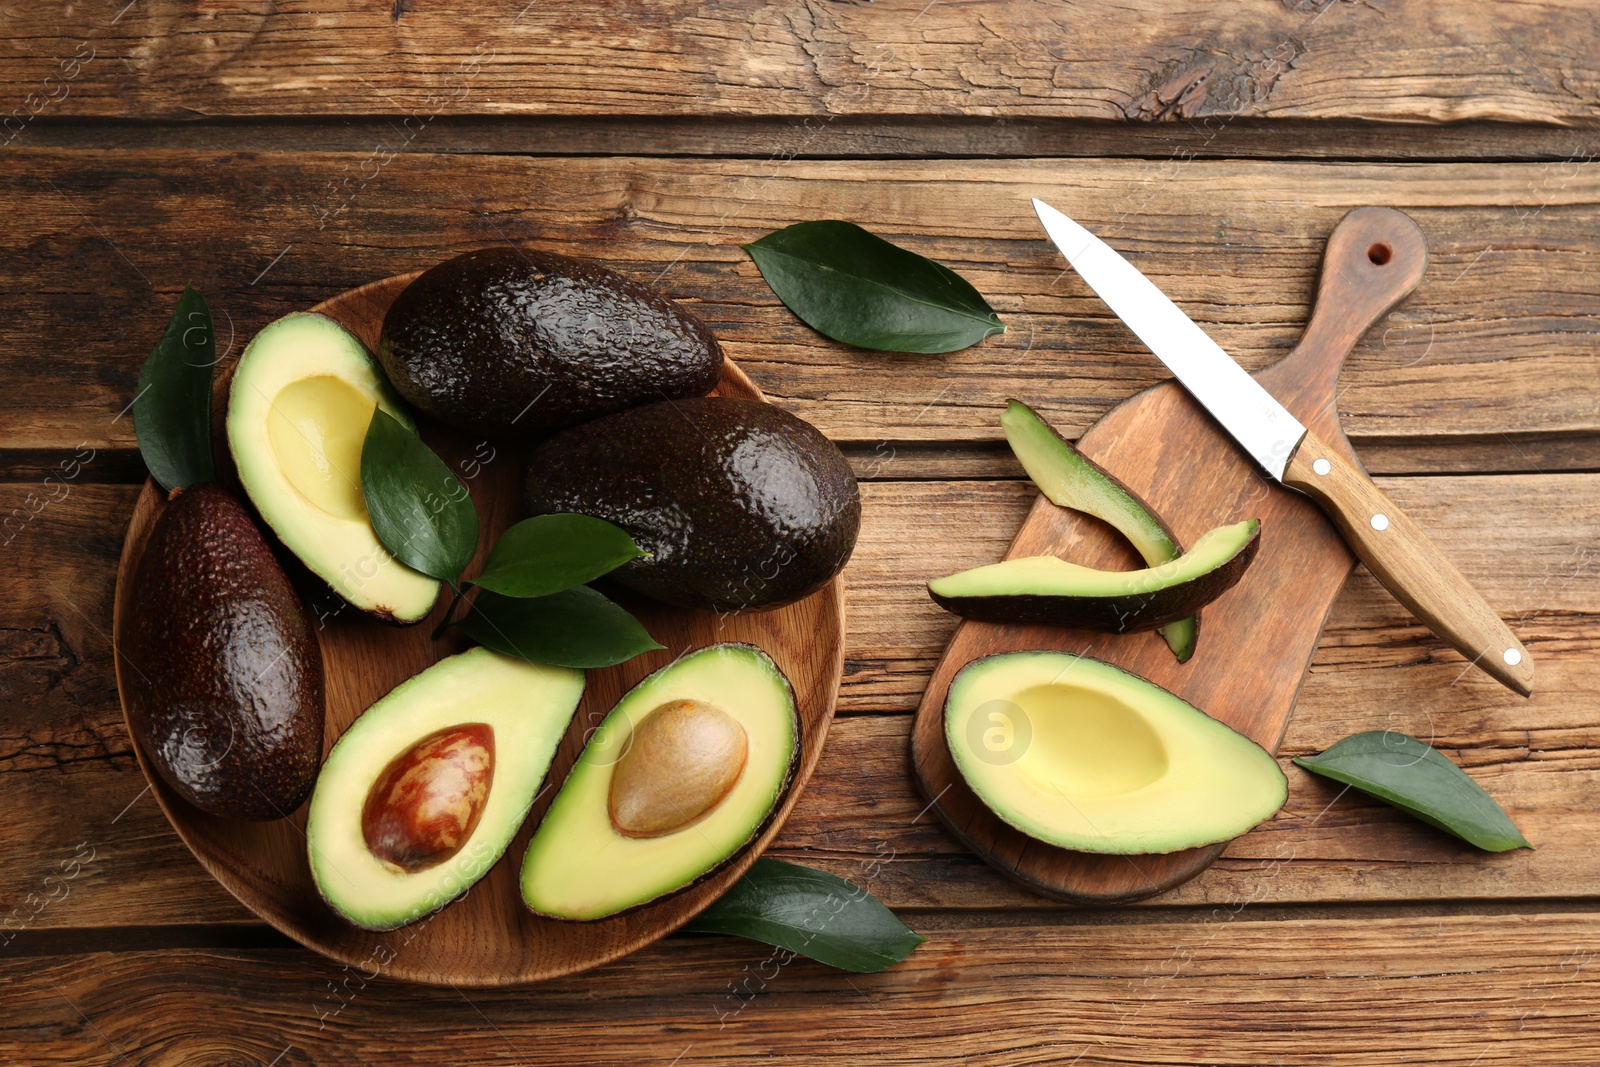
x: 739, y: 505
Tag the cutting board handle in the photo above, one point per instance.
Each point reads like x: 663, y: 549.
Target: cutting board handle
x: 1373, y: 259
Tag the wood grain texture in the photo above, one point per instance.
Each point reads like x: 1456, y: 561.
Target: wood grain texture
x: 488, y: 938
x: 1230, y: 987
x: 922, y: 137
x: 1140, y: 61
x: 1255, y: 644
x: 1495, y: 353
x: 65, y: 758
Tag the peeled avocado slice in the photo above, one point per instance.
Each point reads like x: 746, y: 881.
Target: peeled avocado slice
x: 582, y: 865
x: 298, y: 409
x: 1070, y: 479
x: 1049, y: 590
x: 1083, y: 755
x: 474, y: 708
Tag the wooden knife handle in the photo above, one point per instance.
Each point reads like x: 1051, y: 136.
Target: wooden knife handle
x: 1400, y: 555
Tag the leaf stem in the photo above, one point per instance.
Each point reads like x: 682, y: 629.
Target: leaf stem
x: 447, y: 621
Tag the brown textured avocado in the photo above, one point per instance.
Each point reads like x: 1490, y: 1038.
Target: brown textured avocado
x: 516, y: 343
x: 739, y: 504
x: 222, y: 668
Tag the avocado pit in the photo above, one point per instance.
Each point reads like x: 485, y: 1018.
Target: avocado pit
x: 428, y: 800
x: 681, y: 761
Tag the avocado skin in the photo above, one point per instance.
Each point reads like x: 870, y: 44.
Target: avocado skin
x: 517, y: 344
x: 740, y: 505
x: 1116, y: 615
x: 225, y: 686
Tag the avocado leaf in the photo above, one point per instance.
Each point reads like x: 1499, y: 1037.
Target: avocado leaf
x: 573, y: 628
x: 855, y: 287
x: 1414, y: 777
x: 549, y: 553
x: 172, y: 409
x: 419, y: 509
x: 810, y: 913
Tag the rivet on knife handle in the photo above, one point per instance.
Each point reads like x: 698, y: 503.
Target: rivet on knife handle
x: 1400, y: 556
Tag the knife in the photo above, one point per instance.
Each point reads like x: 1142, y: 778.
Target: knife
x: 1393, y: 547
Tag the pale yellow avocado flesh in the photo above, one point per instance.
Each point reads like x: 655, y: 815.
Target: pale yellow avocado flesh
x: 298, y: 409
x: 1047, y: 575
x: 1083, y: 755
x: 578, y: 866
x: 527, y: 705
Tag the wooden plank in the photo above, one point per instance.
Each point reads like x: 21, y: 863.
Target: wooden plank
x: 1526, y: 541
x: 1498, y: 345
x: 841, y: 137
x: 1225, y: 988
x: 1145, y: 60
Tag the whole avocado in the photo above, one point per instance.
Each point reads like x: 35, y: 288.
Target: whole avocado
x: 517, y: 344
x: 739, y: 504
x: 223, y: 671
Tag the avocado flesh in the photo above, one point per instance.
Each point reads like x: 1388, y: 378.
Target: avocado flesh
x: 517, y: 343
x: 1046, y: 589
x: 526, y: 705
x: 739, y: 505
x: 221, y: 667
x: 579, y: 866
x: 298, y: 410
x: 1083, y: 755
x: 1070, y: 479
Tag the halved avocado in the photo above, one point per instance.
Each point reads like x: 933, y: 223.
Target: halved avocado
x: 682, y: 773
x: 298, y: 410
x: 1070, y: 479
x: 1050, y: 590
x: 426, y: 789
x: 1083, y: 755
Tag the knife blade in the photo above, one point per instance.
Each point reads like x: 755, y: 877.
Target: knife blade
x: 1392, y: 546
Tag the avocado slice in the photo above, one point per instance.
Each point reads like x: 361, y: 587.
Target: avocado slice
x: 298, y: 410
x: 1050, y: 590
x: 739, y: 505
x: 1083, y: 755
x: 1070, y: 479
x: 425, y: 790
x: 221, y: 667
x: 518, y: 343
x: 654, y: 805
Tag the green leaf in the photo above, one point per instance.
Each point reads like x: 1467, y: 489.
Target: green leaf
x: 858, y: 288
x: 549, y: 553
x: 811, y: 913
x: 573, y: 628
x: 1415, y: 778
x: 172, y: 409
x: 419, y: 509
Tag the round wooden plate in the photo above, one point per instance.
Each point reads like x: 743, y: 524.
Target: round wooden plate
x: 488, y: 938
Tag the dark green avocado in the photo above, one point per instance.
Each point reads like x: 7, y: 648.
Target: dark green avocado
x: 517, y: 344
x: 739, y: 504
x: 222, y: 671
x: 1047, y: 589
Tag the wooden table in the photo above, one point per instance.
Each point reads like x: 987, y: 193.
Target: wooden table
x: 274, y: 152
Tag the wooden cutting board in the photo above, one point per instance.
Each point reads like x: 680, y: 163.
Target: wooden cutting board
x: 1257, y: 640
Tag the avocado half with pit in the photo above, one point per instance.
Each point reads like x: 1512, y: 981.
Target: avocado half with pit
x: 298, y: 410
x: 1083, y: 755
x: 1070, y: 479
x: 425, y: 790
x: 681, y: 774
x: 1050, y: 590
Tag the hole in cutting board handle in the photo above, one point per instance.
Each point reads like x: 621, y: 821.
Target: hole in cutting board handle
x: 1380, y: 253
